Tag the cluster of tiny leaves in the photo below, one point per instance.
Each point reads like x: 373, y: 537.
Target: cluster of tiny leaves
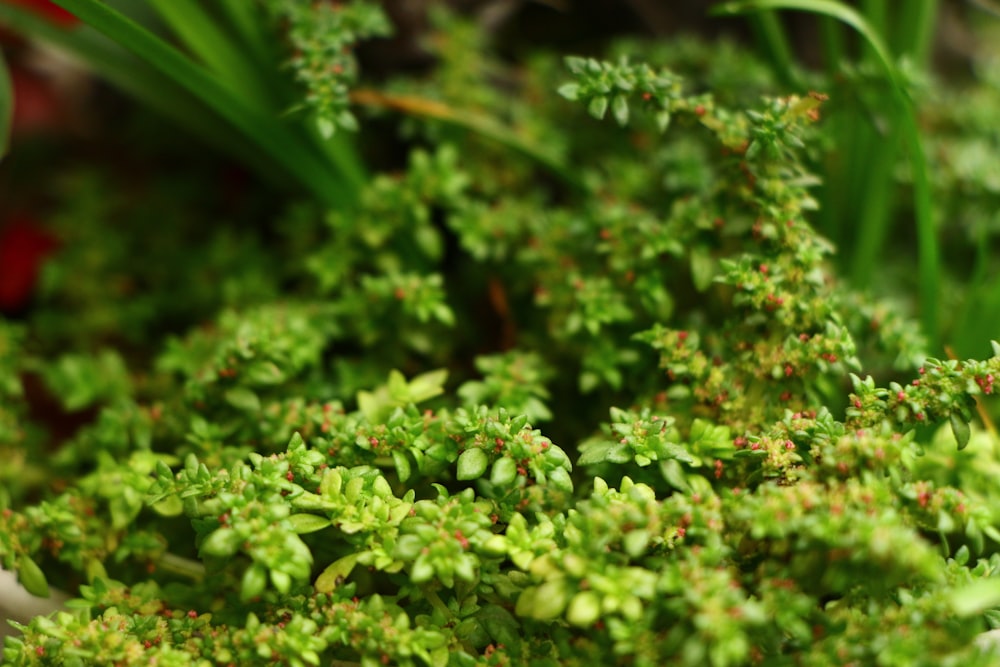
x: 322, y: 36
x: 267, y: 496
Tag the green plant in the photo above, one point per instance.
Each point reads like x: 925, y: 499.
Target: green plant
x: 865, y: 186
x: 337, y: 459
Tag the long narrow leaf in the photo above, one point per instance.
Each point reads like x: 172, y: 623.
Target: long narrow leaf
x: 213, y: 46
x: 915, y: 29
x: 831, y: 8
x: 875, y: 13
x: 928, y: 252
x: 139, y: 81
x: 875, y: 204
x: 771, y: 33
x: 832, y: 39
x: 245, y: 17
x: 272, y: 136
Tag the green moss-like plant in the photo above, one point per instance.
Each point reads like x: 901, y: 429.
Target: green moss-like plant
x: 623, y: 417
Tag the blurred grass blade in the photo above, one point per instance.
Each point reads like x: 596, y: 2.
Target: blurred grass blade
x: 146, y: 85
x: 202, y: 35
x: 246, y: 18
x: 928, y: 257
x: 834, y: 50
x: 915, y: 23
x: 831, y: 8
x: 769, y: 31
x: 874, y: 199
x: 6, y: 106
x: 874, y: 12
x: 269, y: 133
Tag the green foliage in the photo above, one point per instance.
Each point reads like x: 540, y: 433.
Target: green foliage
x: 900, y: 129
x: 321, y: 38
x: 333, y: 457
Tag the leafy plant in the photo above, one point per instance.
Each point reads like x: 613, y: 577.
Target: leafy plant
x: 334, y: 458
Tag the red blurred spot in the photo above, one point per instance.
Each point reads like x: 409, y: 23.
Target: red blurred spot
x: 47, y: 9
x: 23, y: 248
x: 36, y: 106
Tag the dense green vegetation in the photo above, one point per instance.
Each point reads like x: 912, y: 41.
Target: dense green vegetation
x: 643, y: 356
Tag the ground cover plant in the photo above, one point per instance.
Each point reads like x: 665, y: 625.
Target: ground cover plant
x: 542, y: 363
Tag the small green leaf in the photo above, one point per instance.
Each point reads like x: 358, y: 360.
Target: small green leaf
x: 254, y: 581
x: 398, y: 389
x: 308, y: 523
x: 619, y: 109
x: 422, y: 570
x: 962, y: 555
x: 663, y: 120
x: 441, y: 656
x: 282, y: 581
x: 598, y: 107
x: 702, y: 268
x: 163, y: 470
x: 976, y: 598
x: 472, y: 464
x: 402, y: 463
x: 504, y: 471
x: 264, y: 372
x: 584, y: 609
x: 32, y: 577
x: 635, y: 542
x: 335, y: 573
x: 427, y: 385
x: 408, y: 547
x: 569, y: 90
x: 169, y: 506
x: 560, y: 479
x: 594, y: 453
x: 960, y: 428
x: 545, y: 602
x: 223, y: 542
x: 347, y: 120
x: 331, y: 484
x: 674, y: 474
x: 500, y: 624
x: 326, y: 127
x: 244, y: 399
x: 576, y: 64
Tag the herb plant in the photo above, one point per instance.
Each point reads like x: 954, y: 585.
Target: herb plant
x: 576, y: 383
